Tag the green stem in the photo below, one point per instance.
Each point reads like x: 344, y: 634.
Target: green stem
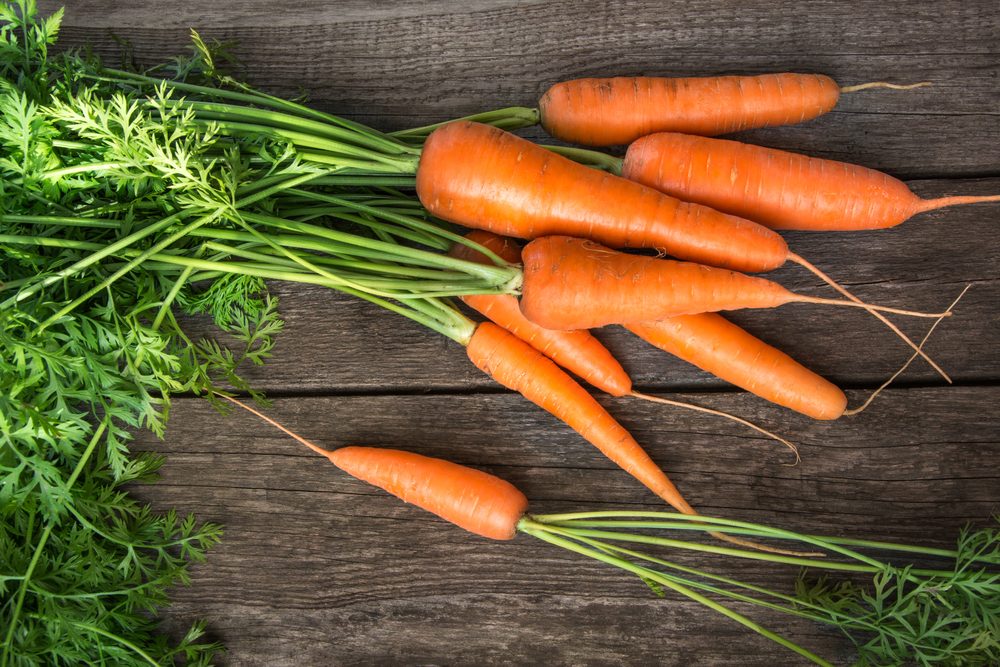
x: 531, y: 528
x: 590, y: 158
x: 509, y: 118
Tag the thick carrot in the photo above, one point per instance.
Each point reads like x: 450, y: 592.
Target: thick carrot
x: 573, y: 283
x: 482, y: 177
x: 718, y: 346
x: 610, y: 111
x: 776, y: 188
x: 518, y: 366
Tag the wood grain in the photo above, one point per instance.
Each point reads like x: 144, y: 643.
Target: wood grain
x: 318, y: 568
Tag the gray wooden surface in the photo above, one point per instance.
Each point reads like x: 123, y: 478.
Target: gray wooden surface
x: 317, y: 568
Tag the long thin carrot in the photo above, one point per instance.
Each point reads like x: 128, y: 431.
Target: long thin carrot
x: 577, y: 351
x: 610, y: 111
x: 713, y: 343
x: 485, y: 178
x: 779, y: 189
x: 572, y: 283
x: 518, y: 366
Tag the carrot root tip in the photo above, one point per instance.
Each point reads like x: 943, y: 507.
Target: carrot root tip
x: 883, y: 84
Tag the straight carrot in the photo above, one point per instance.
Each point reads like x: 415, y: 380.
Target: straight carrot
x: 618, y: 110
x: 573, y: 283
x: 776, y: 188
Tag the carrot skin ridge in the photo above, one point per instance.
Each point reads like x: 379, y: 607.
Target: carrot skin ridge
x: 779, y: 189
x: 481, y: 177
x: 518, y: 366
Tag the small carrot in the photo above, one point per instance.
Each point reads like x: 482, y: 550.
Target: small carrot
x: 776, y: 188
x: 573, y: 283
x: 714, y: 344
x: 485, y: 178
x: 577, y: 351
x: 610, y: 111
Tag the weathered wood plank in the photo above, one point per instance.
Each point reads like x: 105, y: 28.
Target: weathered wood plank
x: 335, y: 343
x: 317, y: 568
x: 399, y: 65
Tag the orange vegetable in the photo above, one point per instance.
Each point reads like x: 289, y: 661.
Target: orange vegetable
x: 776, y: 188
x: 573, y: 283
x: 718, y: 346
x: 518, y: 366
x: 610, y: 111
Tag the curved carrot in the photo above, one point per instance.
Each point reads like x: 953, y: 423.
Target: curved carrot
x: 576, y: 351
x: 520, y: 367
x: 573, y: 283
x: 718, y: 346
x: 482, y: 177
x: 485, y: 178
x: 610, y: 111
x: 776, y: 188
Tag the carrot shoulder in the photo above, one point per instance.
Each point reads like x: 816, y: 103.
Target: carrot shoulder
x: 576, y: 351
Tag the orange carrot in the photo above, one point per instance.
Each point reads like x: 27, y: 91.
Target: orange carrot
x: 606, y: 112
x: 577, y: 351
x: 573, y: 283
x: 718, y: 346
x: 776, y: 188
x: 518, y: 366
x: 482, y: 177
x: 471, y: 499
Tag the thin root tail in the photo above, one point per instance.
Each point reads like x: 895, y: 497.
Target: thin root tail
x: 316, y: 448
x: 883, y: 84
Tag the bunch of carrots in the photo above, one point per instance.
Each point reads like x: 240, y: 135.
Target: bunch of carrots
x: 317, y: 199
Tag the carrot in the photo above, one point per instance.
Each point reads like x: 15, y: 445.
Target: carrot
x: 577, y: 351
x: 518, y: 366
x: 471, y: 499
x: 610, y: 111
x: 573, y: 283
x: 485, y: 178
x: 718, y: 346
x: 776, y: 188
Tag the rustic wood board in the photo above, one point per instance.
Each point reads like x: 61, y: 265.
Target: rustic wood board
x: 319, y: 569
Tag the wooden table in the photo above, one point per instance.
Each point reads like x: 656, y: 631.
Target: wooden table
x: 317, y: 568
